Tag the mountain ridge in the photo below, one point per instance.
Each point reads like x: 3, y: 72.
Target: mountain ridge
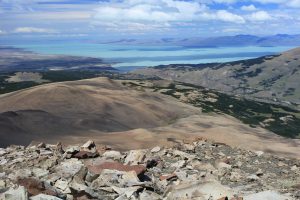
x: 272, y: 78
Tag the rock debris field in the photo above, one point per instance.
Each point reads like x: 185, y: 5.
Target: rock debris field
x: 201, y: 169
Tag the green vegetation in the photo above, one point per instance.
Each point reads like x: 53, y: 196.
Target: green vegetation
x: 279, y: 119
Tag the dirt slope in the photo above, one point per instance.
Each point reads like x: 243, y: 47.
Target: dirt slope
x: 78, y: 107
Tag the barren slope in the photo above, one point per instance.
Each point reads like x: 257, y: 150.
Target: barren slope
x: 79, y: 107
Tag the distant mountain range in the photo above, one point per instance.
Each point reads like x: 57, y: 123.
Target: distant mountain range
x: 269, y: 78
x: 224, y: 41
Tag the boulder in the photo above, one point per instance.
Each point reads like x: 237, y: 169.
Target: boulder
x: 68, y: 168
x: 63, y: 186
x: 89, y: 146
x: 135, y: 157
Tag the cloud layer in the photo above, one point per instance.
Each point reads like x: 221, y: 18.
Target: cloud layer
x: 175, y: 17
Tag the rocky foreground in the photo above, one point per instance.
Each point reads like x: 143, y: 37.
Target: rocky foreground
x: 196, y: 170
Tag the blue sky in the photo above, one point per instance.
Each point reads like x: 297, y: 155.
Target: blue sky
x: 147, y: 18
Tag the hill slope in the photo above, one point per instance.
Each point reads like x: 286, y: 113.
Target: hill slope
x: 268, y: 78
x: 125, y: 114
x: 79, y: 107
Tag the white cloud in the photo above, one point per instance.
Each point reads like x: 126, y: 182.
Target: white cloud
x: 33, y: 30
x: 229, y: 17
x: 249, y: 8
x: 140, y: 14
x: 260, y: 16
x: 293, y: 3
x: 2, y: 32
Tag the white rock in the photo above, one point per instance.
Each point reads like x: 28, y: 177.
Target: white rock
x: 72, y: 149
x: 294, y: 168
x: 45, y: 152
x: 39, y: 173
x: 259, y: 153
x: 2, y: 152
x: 189, y: 147
x: 267, y: 195
x: 155, y: 149
x: 183, y: 155
x: 223, y: 165
x: 3, y: 161
x: 113, y: 154
x: 128, y: 192
x: 178, y: 164
x: 63, y: 186
x: 44, y: 197
x: 2, y: 184
x: 199, y: 190
x: 253, y: 177
x: 148, y: 195
x: 20, y: 173
x: 2, y: 175
x: 89, y: 146
x: 19, y: 193
x: 68, y: 168
x: 115, y: 178
x: 135, y: 157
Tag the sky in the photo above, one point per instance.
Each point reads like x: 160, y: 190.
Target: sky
x: 107, y: 19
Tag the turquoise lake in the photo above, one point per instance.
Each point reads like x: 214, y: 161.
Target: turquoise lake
x: 133, y: 56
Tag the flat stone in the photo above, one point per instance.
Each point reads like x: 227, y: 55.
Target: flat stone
x: 3, y: 161
x: 2, y: 184
x: 267, y: 195
x: 44, y: 197
x: 46, y: 152
x: 221, y: 165
x: 135, y: 157
x: 155, y: 149
x: 252, y: 177
x: 199, y: 190
x: 68, y: 168
x: 20, y: 173
x: 116, y: 155
x: 97, y: 169
x: 128, y: 191
x: 115, y: 178
x: 148, y: 195
x: 19, y: 193
x: 39, y: 173
x: 63, y: 186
